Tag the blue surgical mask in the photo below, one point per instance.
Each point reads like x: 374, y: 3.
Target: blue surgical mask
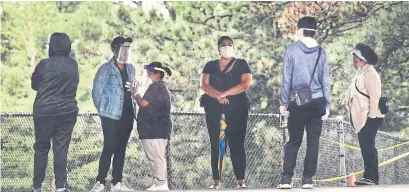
x: 358, y: 70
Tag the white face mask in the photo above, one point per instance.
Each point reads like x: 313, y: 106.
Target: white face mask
x: 227, y: 51
x: 124, y: 54
x: 299, y: 33
x: 296, y: 37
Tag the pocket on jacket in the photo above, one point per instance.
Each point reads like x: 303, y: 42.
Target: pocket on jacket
x: 104, y: 104
x: 114, y: 80
x: 363, y: 102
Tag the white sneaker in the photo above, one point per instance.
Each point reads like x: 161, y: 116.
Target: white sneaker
x: 61, y: 190
x: 307, y: 183
x: 98, y: 187
x: 163, y: 187
x: 35, y: 190
x: 215, y: 186
x: 285, y: 186
x: 307, y: 186
x: 120, y: 187
x: 242, y: 186
x: 285, y: 183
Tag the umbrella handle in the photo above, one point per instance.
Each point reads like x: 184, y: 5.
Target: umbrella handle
x: 222, y: 144
x: 223, y: 108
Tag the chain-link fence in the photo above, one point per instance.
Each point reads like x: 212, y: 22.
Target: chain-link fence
x: 340, y: 156
x: 189, y: 154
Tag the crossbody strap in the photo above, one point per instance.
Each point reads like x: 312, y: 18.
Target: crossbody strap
x: 356, y: 87
x: 315, y: 67
x: 232, y: 61
x: 361, y: 92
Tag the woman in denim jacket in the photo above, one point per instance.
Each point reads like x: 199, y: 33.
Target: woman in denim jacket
x: 117, y: 112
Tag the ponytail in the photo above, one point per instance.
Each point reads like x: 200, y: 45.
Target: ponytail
x: 168, y: 71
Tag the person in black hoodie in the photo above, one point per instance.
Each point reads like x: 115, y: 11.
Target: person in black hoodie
x: 55, y: 109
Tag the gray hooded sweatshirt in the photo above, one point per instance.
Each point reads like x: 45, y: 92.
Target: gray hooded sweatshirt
x: 299, y: 61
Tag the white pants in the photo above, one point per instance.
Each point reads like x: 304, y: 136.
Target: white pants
x: 155, y: 150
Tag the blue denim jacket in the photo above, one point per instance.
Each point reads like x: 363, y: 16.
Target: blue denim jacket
x: 107, y: 91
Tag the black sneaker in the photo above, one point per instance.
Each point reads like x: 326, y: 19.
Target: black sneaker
x: 364, y: 181
x: 285, y: 182
x: 307, y: 183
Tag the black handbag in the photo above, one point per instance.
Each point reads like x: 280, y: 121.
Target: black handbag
x: 203, y: 100
x: 302, y: 94
x: 383, y: 102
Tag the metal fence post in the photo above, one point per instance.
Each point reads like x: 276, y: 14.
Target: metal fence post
x: 169, y: 165
x: 341, y: 139
x: 395, y: 165
x: 283, y: 120
x: 283, y: 126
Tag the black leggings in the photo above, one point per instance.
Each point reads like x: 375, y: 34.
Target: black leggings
x: 235, y: 134
x: 58, y: 129
x: 116, y: 136
x: 366, y: 137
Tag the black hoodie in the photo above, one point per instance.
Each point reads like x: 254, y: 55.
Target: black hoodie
x: 56, y: 79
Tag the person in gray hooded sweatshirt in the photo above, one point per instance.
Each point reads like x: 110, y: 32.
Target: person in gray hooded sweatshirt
x: 300, y: 59
x: 55, y: 109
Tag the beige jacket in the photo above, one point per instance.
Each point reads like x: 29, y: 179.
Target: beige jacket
x: 359, y: 106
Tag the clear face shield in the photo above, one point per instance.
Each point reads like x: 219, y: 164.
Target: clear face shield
x: 124, y: 53
x: 148, y: 69
x: 146, y: 80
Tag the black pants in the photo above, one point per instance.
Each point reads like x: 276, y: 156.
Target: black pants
x: 116, y: 136
x: 59, y: 128
x: 308, y: 118
x: 235, y: 134
x: 366, y: 137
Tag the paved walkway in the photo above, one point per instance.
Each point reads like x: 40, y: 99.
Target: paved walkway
x: 384, y: 188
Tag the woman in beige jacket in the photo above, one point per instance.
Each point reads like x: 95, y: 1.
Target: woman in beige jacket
x: 362, y: 101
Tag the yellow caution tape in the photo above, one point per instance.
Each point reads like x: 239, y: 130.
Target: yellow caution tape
x: 360, y: 172
x: 394, y: 146
x: 358, y: 149
x: 343, y: 144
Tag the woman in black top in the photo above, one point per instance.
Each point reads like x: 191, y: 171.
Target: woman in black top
x: 225, y: 92
x: 55, y: 110
x: 153, y: 122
